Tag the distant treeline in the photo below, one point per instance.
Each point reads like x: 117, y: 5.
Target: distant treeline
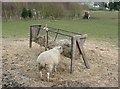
x: 114, y: 6
x: 41, y: 10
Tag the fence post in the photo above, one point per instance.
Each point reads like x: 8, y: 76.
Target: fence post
x: 81, y: 50
x: 73, y: 51
x: 46, y: 46
x: 39, y: 29
x: 56, y: 34
x: 31, y: 33
x: 30, y: 42
x: 45, y: 43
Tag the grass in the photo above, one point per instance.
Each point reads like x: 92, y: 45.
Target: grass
x: 0, y: 28
x: 103, y: 26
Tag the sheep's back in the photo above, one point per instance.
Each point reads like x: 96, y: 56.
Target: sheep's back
x: 49, y: 57
x: 55, y: 56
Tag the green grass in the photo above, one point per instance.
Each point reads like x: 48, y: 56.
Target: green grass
x: 102, y: 27
x: 0, y: 27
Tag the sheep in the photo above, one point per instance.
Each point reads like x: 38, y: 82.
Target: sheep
x: 49, y: 60
x: 66, y: 46
x: 64, y: 42
x: 41, y: 40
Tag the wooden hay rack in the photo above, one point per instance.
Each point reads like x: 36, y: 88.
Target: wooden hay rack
x: 77, y: 41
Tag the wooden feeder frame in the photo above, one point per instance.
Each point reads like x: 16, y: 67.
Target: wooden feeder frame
x: 77, y: 41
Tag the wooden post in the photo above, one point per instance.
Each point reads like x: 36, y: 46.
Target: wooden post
x: 45, y: 43
x: 56, y: 34
x: 71, y: 70
x: 73, y: 51
x: 82, y: 53
x: 30, y: 41
x: 79, y: 42
x: 33, y: 33
x: 39, y: 26
x: 46, y: 40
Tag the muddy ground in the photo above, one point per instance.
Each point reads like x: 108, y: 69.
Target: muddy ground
x: 19, y: 66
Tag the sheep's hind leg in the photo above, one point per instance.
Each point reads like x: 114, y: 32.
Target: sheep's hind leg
x: 48, y: 76
x: 40, y: 70
x: 55, y: 68
x: 49, y: 70
x: 40, y: 74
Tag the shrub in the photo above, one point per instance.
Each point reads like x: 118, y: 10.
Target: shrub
x: 29, y: 13
x: 24, y: 13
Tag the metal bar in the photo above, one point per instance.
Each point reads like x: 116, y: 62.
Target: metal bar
x: 56, y: 35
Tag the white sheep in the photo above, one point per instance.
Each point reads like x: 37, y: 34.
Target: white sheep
x: 64, y: 42
x: 49, y: 60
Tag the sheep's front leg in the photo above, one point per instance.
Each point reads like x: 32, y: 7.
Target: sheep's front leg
x: 40, y: 70
x: 48, y: 76
x: 49, y: 70
x: 55, y: 68
x: 40, y: 74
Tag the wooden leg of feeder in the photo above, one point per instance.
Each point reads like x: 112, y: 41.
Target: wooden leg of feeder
x: 30, y: 41
x: 71, y: 54
x: 39, y: 26
x: 46, y: 41
x: 73, y: 51
x: 83, y: 54
x: 47, y: 38
x: 84, y: 58
x: 56, y: 35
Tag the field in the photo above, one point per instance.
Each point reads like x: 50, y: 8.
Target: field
x: 103, y: 26
x: 19, y: 61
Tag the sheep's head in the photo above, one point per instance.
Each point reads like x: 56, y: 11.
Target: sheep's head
x: 59, y: 48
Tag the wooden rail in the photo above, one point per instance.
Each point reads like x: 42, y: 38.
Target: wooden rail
x: 65, y: 31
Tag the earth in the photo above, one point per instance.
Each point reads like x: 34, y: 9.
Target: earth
x: 19, y: 67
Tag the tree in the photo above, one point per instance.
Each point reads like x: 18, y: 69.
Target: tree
x: 45, y: 9
x: 29, y: 13
x: 24, y: 13
x: 54, y: 10
x: 114, y: 5
x: 73, y: 10
x: 111, y: 6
